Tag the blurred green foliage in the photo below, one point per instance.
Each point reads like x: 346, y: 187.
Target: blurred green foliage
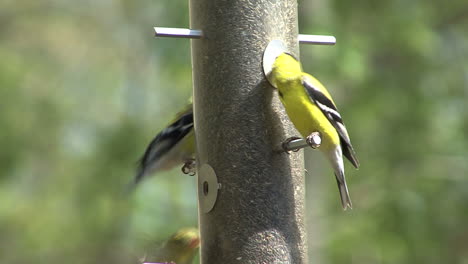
x: 84, y: 87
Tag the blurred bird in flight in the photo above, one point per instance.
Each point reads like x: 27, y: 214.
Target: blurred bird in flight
x: 173, y: 146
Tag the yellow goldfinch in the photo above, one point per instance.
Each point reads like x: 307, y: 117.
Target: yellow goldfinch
x: 174, y: 145
x: 180, y: 248
x: 311, y: 108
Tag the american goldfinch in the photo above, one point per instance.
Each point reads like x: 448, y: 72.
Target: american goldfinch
x: 174, y: 145
x: 180, y: 248
x: 311, y: 109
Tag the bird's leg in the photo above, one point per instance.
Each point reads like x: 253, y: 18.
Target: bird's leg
x: 314, y: 140
x: 286, y: 145
x: 189, y: 167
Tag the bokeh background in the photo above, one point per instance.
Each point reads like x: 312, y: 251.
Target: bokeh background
x: 84, y: 87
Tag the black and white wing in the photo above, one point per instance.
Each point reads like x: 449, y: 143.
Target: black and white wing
x: 329, y: 109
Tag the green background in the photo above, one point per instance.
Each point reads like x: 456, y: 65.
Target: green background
x: 84, y: 87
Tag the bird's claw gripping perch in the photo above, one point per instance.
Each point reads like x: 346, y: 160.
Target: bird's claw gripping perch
x: 286, y: 145
x: 314, y: 140
x: 189, y: 167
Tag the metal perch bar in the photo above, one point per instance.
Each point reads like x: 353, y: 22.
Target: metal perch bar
x: 316, y: 39
x: 196, y: 34
x: 295, y: 144
x: 178, y: 32
x: 313, y: 140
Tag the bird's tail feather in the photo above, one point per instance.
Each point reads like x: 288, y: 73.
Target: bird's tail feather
x: 130, y: 187
x: 344, y: 194
x: 140, y: 175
